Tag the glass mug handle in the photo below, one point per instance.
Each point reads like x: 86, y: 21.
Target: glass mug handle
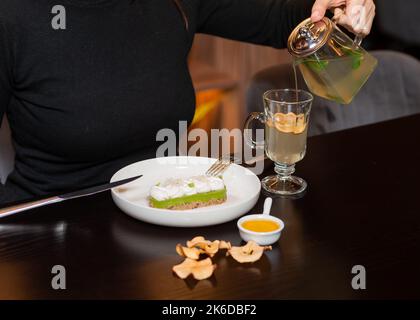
x: 248, y: 131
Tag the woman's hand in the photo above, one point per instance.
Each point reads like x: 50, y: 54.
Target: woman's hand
x: 355, y: 15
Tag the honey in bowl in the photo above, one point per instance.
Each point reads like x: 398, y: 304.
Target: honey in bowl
x: 261, y: 225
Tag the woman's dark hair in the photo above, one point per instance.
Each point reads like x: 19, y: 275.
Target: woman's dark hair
x: 182, y: 12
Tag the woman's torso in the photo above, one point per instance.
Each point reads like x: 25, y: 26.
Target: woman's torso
x: 91, y: 98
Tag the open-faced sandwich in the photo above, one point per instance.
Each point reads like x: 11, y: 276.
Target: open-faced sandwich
x: 188, y: 193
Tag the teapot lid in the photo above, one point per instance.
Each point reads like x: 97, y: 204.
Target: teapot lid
x: 308, y: 37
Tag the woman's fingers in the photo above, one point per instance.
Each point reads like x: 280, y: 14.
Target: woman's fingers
x: 357, y: 12
x: 369, y: 19
x: 361, y: 14
x: 338, y: 12
x: 341, y: 18
x: 319, y: 8
x: 355, y: 15
x: 368, y: 26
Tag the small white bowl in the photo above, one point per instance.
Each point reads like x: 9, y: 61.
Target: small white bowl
x: 262, y: 238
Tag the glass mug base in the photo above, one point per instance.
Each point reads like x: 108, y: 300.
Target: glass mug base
x: 287, y: 186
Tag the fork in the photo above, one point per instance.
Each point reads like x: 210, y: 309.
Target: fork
x: 220, y: 166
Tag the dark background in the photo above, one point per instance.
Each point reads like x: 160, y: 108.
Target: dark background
x: 396, y: 27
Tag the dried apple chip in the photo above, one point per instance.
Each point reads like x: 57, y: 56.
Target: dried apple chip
x: 196, y: 240
x: 199, y: 269
x: 184, y: 269
x: 191, y: 253
x: 212, y: 248
x: 250, y: 252
x: 204, y: 269
x: 225, y: 245
x: 206, y: 246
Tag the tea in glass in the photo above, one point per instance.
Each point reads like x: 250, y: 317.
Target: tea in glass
x: 285, y: 137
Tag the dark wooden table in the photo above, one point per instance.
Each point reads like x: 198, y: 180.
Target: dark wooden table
x: 362, y: 208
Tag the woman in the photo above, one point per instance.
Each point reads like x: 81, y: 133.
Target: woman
x: 87, y: 97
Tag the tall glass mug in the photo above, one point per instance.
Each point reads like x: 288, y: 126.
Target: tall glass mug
x: 286, y: 118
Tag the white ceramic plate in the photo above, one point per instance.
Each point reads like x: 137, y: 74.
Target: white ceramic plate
x: 243, y: 190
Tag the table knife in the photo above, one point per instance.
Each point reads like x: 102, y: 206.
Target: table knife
x: 8, y: 211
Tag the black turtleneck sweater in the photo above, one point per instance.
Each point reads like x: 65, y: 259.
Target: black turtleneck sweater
x: 85, y: 101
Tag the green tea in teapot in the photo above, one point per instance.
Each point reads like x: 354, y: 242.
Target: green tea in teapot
x: 338, y: 79
x: 333, y: 66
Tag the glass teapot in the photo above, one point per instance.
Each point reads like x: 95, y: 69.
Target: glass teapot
x: 333, y: 66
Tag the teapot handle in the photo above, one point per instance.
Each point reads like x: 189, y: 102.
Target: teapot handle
x: 358, y: 40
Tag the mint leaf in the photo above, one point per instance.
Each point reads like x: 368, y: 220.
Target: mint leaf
x: 317, y: 66
x: 356, y: 56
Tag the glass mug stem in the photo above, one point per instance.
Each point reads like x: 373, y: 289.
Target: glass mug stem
x: 284, y: 170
